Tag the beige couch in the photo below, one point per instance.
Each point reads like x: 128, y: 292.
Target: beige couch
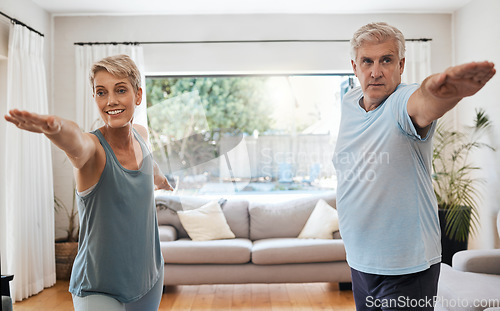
x: 265, y: 250
x: 472, y: 283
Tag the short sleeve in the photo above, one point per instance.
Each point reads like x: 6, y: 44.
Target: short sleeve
x: 399, y: 100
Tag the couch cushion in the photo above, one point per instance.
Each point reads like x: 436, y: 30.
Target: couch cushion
x: 293, y: 250
x: 322, y: 223
x: 466, y: 291
x: 478, y: 260
x: 185, y: 251
x: 206, y: 223
x: 167, y: 233
x: 283, y: 219
x: 168, y: 205
x: 235, y: 211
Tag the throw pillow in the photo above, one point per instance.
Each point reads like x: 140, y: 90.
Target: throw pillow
x: 206, y: 223
x: 283, y: 218
x: 323, y: 221
x: 167, y: 206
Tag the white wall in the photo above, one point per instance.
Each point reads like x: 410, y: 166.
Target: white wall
x: 477, y: 32
x: 235, y: 57
x: 29, y: 13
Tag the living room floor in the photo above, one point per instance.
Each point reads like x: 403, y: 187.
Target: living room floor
x: 302, y: 296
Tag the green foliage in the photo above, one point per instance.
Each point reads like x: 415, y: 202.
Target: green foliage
x: 231, y: 105
x: 455, y: 186
x: 188, y: 116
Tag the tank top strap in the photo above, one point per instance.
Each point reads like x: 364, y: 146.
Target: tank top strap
x: 110, y: 154
x: 103, y: 141
x: 142, y: 143
x: 108, y: 148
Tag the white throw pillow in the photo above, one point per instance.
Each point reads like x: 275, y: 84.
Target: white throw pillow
x: 323, y: 221
x: 206, y: 223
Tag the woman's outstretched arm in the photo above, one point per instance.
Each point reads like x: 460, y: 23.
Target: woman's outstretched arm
x: 65, y: 134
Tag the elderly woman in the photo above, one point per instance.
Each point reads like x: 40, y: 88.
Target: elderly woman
x: 119, y: 265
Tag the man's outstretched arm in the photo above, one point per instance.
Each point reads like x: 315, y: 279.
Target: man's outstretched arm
x: 441, y: 92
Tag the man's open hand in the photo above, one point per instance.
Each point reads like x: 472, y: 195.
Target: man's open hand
x: 461, y: 81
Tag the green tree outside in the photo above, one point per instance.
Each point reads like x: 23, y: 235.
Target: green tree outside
x: 188, y: 116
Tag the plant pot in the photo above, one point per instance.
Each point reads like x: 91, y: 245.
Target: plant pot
x: 450, y: 246
x: 65, y: 255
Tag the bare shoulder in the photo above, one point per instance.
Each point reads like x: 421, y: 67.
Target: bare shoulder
x: 96, y: 149
x: 93, y: 138
x: 142, y: 131
x: 93, y: 149
x: 88, y: 146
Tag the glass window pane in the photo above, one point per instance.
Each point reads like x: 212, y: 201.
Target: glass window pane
x: 246, y: 134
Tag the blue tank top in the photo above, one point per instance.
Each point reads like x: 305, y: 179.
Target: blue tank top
x: 119, y: 249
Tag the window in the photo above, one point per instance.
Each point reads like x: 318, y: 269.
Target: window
x: 246, y: 134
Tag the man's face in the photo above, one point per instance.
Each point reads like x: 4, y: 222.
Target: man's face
x: 379, y: 70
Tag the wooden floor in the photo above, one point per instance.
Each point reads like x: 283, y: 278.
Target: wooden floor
x: 309, y: 296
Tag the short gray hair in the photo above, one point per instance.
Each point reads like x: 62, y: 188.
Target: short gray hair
x: 121, y: 66
x: 377, y: 32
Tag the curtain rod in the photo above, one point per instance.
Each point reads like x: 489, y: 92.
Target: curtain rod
x: 223, y: 41
x: 16, y: 21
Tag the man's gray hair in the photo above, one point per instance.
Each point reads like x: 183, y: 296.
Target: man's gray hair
x: 377, y: 33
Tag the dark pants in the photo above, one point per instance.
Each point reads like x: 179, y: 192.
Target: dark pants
x: 415, y: 291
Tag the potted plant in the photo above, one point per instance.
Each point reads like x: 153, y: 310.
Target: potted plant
x: 455, y: 185
x: 67, y: 248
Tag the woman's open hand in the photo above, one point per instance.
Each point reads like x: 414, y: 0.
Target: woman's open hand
x: 163, y: 185
x: 33, y: 122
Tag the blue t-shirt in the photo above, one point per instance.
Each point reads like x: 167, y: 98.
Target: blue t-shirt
x: 387, y: 207
x: 119, y: 251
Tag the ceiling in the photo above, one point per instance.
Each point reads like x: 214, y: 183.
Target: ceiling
x: 140, y: 7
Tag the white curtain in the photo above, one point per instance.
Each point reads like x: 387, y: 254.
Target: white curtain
x: 87, y: 115
x: 28, y: 229
x: 418, y: 61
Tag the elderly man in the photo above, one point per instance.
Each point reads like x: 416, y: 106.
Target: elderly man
x: 386, y: 203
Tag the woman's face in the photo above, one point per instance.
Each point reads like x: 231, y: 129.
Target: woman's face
x: 115, y: 98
